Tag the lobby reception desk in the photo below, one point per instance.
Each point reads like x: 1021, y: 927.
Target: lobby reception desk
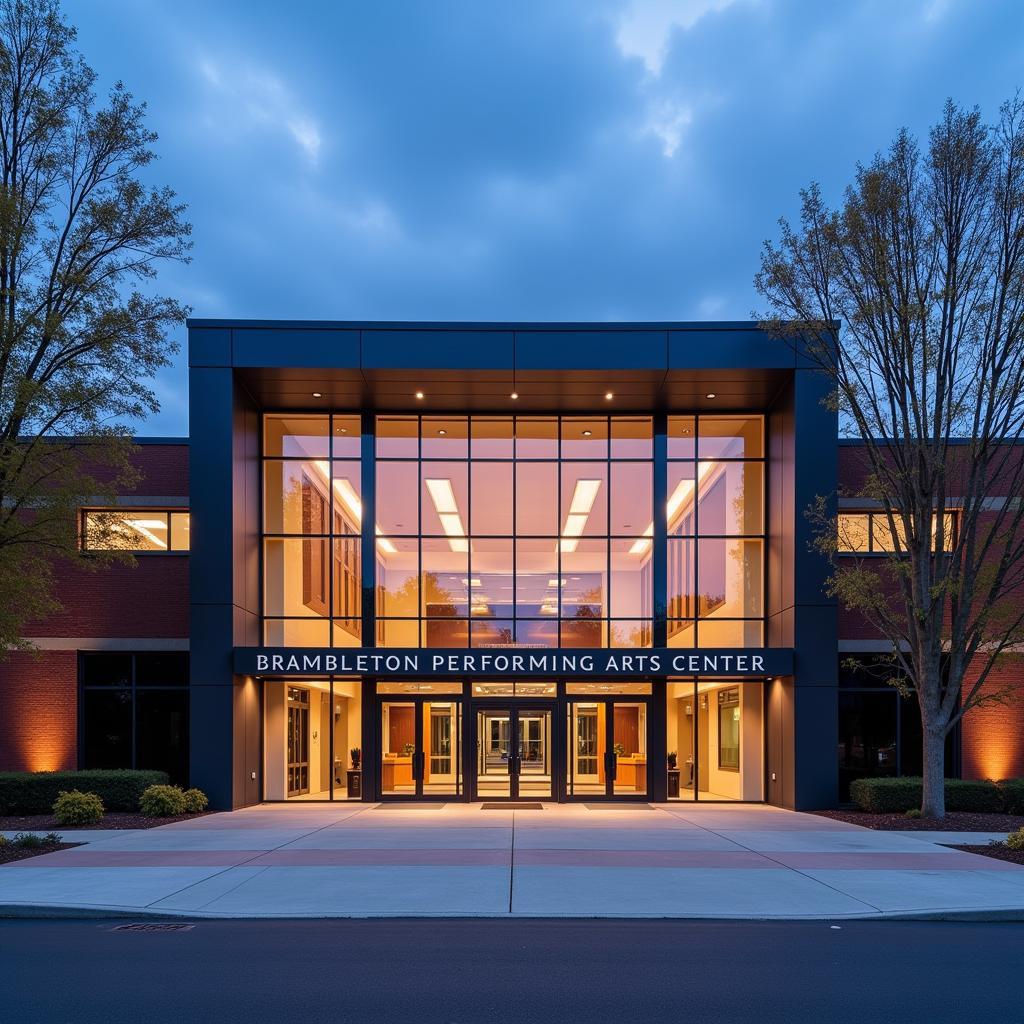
x: 631, y: 773
x: 395, y: 771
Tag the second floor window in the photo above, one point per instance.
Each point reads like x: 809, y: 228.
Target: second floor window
x: 869, y: 533
x: 134, y: 529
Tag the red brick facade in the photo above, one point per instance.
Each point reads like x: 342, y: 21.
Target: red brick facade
x: 144, y: 601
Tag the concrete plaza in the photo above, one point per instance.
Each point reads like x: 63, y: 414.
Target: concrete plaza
x: 456, y: 860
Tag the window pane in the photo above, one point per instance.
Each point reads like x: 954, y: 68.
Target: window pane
x: 682, y: 437
x: 726, y: 633
x: 491, y: 583
x: 446, y: 633
x: 881, y: 534
x: 537, y: 499
x: 296, y: 497
x: 296, y: 436
x: 296, y: 633
x: 398, y: 632
x: 491, y: 437
x: 680, y: 577
x: 445, y: 584
x: 632, y: 437
x: 585, y: 438
x: 853, y: 532
x: 536, y: 578
x: 583, y: 633
x: 106, y: 670
x: 682, y: 634
x: 161, y: 732
x: 347, y: 632
x: 397, y: 503
x: 537, y: 632
x: 584, y: 501
x: 161, y: 669
x: 296, y: 576
x: 631, y: 498
x: 347, y: 495
x: 488, y: 632
x: 729, y: 578
x: 584, y: 581
x: 444, y: 502
x: 397, y: 437
x: 731, y: 437
x: 679, y: 505
x: 107, y: 728
x: 348, y: 582
x: 445, y: 437
x: 398, y: 577
x: 347, y: 441
x: 630, y: 581
x: 536, y: 437
x: 624, y: 633
x: 181, y: 531
x: 731, y: 497
x: 126, y: 530
x: 491, y: 486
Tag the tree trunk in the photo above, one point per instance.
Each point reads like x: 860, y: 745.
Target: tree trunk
x: 933, y: 797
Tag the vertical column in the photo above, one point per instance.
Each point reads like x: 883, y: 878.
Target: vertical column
x: 659, y: 546
x: 368, y: 479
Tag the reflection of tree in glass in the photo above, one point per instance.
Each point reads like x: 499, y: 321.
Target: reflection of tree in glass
x: 437, y: 601
x: 588, y: 604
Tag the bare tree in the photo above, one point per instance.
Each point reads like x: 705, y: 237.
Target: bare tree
x: 922, y: 266
x: 81, y: 333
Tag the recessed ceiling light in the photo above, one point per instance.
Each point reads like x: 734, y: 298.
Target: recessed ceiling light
x: 442, y: 432
x: 318, y: 394
x: 711, y: 394
x: 587, y: 433
x: 419, y: 395
x: 514, y: 395
x: 608, y: 396
x: 687, y: 430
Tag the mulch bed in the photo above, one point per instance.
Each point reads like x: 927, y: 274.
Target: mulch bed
x: 996, y: 850
x: 9, y: 852
x: 113, y: 819
x: 954, y: 821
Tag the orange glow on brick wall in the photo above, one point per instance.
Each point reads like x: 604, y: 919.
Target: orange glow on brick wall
x: 53, y: 757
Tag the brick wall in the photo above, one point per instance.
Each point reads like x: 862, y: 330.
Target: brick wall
x: 38, y: 709
x: 38, y: 693
x: 992, y: 738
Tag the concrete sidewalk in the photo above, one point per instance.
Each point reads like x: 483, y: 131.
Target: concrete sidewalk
x: 371, y: 860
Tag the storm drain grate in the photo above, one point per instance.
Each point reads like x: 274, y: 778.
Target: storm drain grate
x: 512, y: 807
x: 153, y: 926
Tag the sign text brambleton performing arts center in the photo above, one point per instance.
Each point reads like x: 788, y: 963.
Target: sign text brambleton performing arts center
x: 429, y: 662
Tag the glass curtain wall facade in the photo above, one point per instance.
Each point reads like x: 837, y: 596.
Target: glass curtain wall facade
x: 512, y: 532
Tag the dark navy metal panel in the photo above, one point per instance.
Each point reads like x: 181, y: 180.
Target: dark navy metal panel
x: 209, y: 347
x: 296, y: 348
x: 747, y: 348
x: 437, y: 349
x: 610, y: 349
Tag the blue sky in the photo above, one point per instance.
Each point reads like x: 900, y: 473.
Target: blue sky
x: 518, y: 159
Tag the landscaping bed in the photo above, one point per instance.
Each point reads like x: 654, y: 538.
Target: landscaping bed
x: 954, y: 821
x: 12, y: 851
x: 112, y: 819
x: 996, y: 850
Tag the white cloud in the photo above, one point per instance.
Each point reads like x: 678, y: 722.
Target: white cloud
x: 248, y: 97
x: 646, y: 26
x: 667, y: 121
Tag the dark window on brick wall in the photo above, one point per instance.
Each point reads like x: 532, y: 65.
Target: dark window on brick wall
x: 134, y: 711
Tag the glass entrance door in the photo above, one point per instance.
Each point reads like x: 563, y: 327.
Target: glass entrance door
x: 513, y: 753
x: 607, y: 748
x: 421, y: 748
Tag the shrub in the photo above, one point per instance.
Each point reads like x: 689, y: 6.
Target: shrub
x: 77, y: 808
x: 898, y: 795
x: 162, y: 801
x: 195, y: 801
x: 1015, y: 840
x: 1013, y: 795
x: 35, y: 792
x: 914, y: 812
x: 29, y: 841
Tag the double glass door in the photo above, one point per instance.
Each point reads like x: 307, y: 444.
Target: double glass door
x: 513, y: 753
x: 421, y: 748
x: 607, y: 748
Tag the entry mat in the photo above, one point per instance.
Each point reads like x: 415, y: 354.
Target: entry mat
x: 620, y: 807
x: 512, y: 807
x: 408, y: 805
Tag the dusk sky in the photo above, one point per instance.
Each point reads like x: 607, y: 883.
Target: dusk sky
x: 525, y: 159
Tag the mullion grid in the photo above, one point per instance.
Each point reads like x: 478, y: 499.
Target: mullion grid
x: 674, y: 542
x: 558, y: 460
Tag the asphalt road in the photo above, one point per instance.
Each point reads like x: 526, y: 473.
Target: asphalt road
x: 515, y: 971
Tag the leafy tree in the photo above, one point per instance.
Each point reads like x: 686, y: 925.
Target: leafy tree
x: 81, y: 332
x: 921, y: 265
